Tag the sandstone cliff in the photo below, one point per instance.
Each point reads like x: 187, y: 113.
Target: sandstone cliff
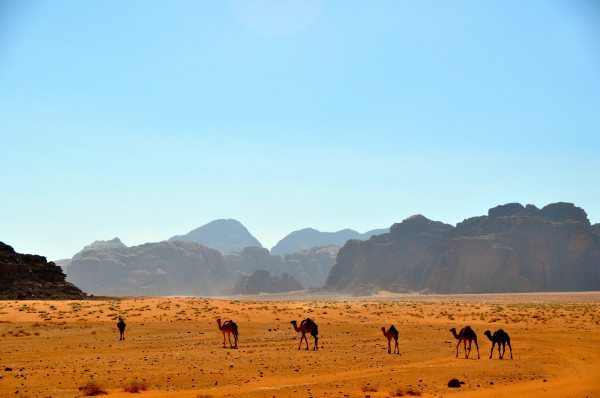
x: 391, y: 261
x: 27, y: 276
x: 514, y: 248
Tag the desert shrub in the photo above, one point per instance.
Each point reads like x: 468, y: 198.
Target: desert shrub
x: 369, y: 389
x: 92, y: 388
x: 135, y: 386
x: 401, y: 393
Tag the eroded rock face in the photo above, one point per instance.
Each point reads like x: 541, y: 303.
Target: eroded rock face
x: 261, y: 281
x: 518, y: 250
x: 514, y: 248
x: 27, y: 276
x: 391, y: 261
x: 152, y: 269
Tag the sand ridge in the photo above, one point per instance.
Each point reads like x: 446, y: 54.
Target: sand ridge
x: 54, y: 347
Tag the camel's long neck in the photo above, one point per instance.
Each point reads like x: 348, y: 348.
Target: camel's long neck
x: 296, y: 327
x: 456, y: 336
x: 219, y: 324
x: 489, y: 336
x: 385, y: 333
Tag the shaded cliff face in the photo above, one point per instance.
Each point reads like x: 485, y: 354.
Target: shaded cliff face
x: 152, y: 269
x: 27, y: 276
x: 261, y: 281
x: 389, y: 261
x: 226, y: 236
x: 514, y: 248
x: 308, y: 238
x: 518, y: 249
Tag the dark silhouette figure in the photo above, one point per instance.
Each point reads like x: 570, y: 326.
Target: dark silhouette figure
x: 121, y: 325
x: 310, y: 327
x: 392, y: 333
x: 230, y: 328
x: 466, y: 334
x: 499, y: 337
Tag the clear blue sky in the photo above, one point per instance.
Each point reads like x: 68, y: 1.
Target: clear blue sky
x: 146, y: 119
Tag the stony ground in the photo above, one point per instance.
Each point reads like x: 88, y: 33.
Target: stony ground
x: 52, y: 348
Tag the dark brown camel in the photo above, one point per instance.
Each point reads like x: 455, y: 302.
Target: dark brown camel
x: 499, y: 337
x: 310, y: 327
x: 230, y: 328
x: 392, y: 333
x: 466, y: 334
x: 121, y: 325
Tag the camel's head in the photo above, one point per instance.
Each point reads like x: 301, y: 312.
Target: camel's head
x: 219, y: 321
x: 453, y: 330
x: 488, y: 333
x: 294, y: 322
x: 383, y: 329
x: 120, y: 319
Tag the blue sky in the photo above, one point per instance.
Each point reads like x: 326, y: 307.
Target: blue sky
x: 147, y: 119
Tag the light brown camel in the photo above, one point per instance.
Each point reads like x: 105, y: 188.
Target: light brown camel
x: 230, y: 328
x: 392, y: 333
x: 121, y: 325
x: 466, y: 334
x: 499, y: 337
x: 310, y: 327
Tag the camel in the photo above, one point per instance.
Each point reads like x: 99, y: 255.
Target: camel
x: 310, y: 327
x: 121, y: 325
x: 499, y: 337
x: 230, y: 328
x: 392, y: 333
x: 466, y: 334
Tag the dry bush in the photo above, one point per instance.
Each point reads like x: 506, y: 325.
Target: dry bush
x: 135, y: 386
x: 401, y: 393
x: 92, y: 388
x: 369, y: 389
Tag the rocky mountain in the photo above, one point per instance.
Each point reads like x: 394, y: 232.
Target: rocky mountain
x: 226, y: 236
x: 152, y: 269
x: 392, y: 260
x: 261, y: 281
x: 309, y: 237
x: 99, y: 244
x: 310, y: 267
x: 514, y: 248
x: 27, y: 276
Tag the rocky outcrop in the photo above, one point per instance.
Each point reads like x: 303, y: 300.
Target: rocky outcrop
x: 27, y: 276
x: 514, y: 248
x: 309, y: 237
x: 226, y: 236
x: 518, y: 249
x: 152, y: 269
x: 310, y: 266
x: 392, y: 261
x: 261, y: 281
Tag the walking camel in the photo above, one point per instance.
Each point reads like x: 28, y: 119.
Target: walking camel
x: 310, y: 327
x: 499, y: 337
x: 121, y: 326
x: 466, y: 334
x: 392, y: 333
x: 230, y: 328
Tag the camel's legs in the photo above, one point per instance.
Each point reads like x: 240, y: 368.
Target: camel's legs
x: 397, y: 347
x: 508, y: 342
x: 235, y: 337
x: 229, y: 337
x: 457, y: 345
x: 492, y: 350
x: 389, y: 345
x: 316, y: 342
x: 477, y: 346
x: 465, y: 348
x: 499, y: 351
x: 223, y: 339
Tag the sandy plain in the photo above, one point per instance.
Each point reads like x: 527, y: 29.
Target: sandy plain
x: 51, y: 348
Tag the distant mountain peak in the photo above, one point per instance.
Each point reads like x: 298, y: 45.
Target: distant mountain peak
x: 225, y: 235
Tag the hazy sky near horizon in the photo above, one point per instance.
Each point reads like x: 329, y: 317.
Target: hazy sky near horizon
x: 143, y: 120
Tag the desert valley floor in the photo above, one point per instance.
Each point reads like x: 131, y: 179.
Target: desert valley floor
x: 51, y: 348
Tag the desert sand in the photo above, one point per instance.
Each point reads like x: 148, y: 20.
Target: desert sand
x: 51, y: 348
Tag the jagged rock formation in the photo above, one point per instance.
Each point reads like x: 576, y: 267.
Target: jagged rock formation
x: 261, y: 281
x: 308, y: 237
x: 99, y: 244
x: 27, y: 276
x: 391, y: 261
x: 152, y: 269
x: 514, y: 248
x: 226, y: 236
x: 310, y: 266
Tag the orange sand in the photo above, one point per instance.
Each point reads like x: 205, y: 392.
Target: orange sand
x: 53, y: 347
